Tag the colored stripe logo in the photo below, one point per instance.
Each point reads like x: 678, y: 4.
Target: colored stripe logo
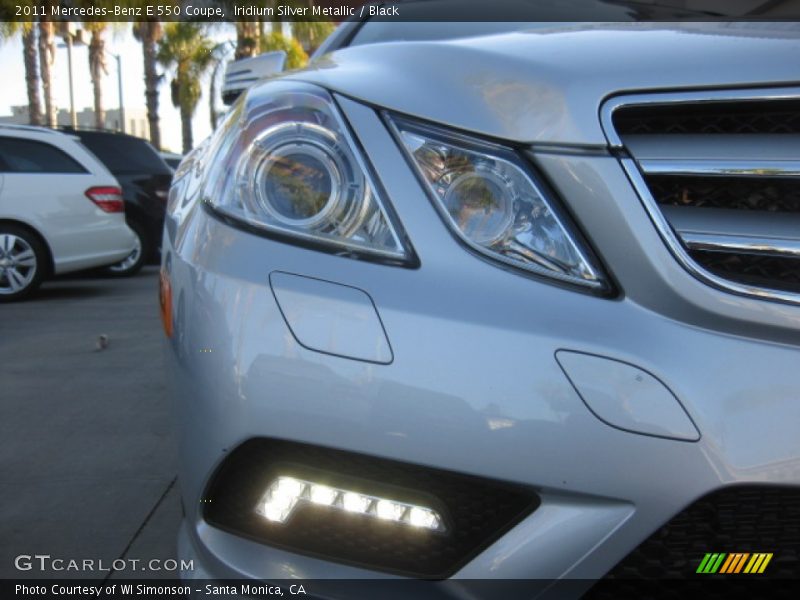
x: 735, y: 562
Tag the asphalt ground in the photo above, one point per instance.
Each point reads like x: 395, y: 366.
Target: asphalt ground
x: 87, y: 451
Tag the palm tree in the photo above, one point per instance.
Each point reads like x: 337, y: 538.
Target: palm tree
x: 9, y: 29
x: 97, y: 67
x: 247, y: 38
x: 186, y: 50
x: 296, y: 57
x: 31, y: 72
x: 311, y: 34
x: 47, y: 55
x: 149, y: 33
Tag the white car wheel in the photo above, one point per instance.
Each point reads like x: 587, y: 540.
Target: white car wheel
x: 21, y: 263
x: 134, y: 261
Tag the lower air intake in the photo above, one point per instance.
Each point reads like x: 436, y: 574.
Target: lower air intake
x: 737, y: 519
x: 474, y: 512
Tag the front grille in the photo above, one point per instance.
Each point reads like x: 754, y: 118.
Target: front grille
x: 477, y: 511
x: 737, y: 519
x: 739, y: 155
x: 770, y: 117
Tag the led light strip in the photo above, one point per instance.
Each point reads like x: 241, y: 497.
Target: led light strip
x: 285, y: 493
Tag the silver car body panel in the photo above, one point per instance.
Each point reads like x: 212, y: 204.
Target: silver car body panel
x: 546, y: 85
x: 627, y: 397
x: 474, y: 385
x: 331, y: 318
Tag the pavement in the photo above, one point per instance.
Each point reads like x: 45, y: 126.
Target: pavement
x: 87, y: 451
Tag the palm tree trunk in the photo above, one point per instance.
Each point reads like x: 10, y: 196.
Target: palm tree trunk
x: 96, y: 69
x: 246, y: 39
x: 151, y: 79
x: 212, y: 95
x: 182, y: 79
x: 32, y: 75
x: 186, y: 130
x: 261, y: 33
x: 47, y: 50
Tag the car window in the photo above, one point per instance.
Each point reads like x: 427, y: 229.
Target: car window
x: 124, y: 154
x: 18, y: 155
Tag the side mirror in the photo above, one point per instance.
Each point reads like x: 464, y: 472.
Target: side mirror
x: 241, y: 74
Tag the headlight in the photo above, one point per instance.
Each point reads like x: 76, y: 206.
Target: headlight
x: 493, y: 202
x: 285, y: 163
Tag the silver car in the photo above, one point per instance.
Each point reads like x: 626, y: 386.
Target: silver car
x: 522, y: 306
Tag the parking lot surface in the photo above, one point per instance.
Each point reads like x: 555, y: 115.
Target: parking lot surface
x: 87, y: 453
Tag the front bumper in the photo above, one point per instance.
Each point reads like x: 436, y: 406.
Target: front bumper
x: 474, y: 385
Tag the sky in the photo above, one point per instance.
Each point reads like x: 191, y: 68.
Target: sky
x: 119, y: 41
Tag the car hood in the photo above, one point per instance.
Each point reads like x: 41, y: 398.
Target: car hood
x: 546, y: 85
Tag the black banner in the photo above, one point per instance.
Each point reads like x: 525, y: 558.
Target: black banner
x: 396, y: 10
x: 741, y: 586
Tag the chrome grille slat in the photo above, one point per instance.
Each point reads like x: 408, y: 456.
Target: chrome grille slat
x: 732, y: 244
x: 715, y: 147
x: 733, y: 231
x: 722, y: 168
x: 719, y: 174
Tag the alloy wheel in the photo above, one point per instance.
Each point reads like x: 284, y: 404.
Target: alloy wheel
x: 129, y: 261
x: 17, y: 264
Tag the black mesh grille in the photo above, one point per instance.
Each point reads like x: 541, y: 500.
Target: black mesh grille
x: 759, y: 271
x: 771, y: 195
x: 477, y: 511
x: 737, y: 519
x: 775, y: 116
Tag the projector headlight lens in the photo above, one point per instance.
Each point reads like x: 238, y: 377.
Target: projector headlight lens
x: 494, y: 203
x: 300, y: 183
x: 284, y: 163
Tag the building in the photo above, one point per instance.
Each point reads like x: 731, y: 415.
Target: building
x: 135, y: 119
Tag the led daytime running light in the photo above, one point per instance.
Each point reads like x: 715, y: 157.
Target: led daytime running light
x: 285, y: 493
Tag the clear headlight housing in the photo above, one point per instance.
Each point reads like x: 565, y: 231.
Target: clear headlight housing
x: 495, y: 204
x: 285, y: 163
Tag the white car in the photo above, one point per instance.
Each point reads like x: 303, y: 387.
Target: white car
x: 61, y: 210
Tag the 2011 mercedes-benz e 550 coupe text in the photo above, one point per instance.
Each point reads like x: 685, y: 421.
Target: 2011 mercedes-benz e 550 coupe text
x: 519, y: 306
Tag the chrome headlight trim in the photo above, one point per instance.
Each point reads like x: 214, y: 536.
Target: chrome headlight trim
x: 285, y: 165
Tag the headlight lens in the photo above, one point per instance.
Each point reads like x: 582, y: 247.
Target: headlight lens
x: 493, y: 202
x: 285, y: 163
